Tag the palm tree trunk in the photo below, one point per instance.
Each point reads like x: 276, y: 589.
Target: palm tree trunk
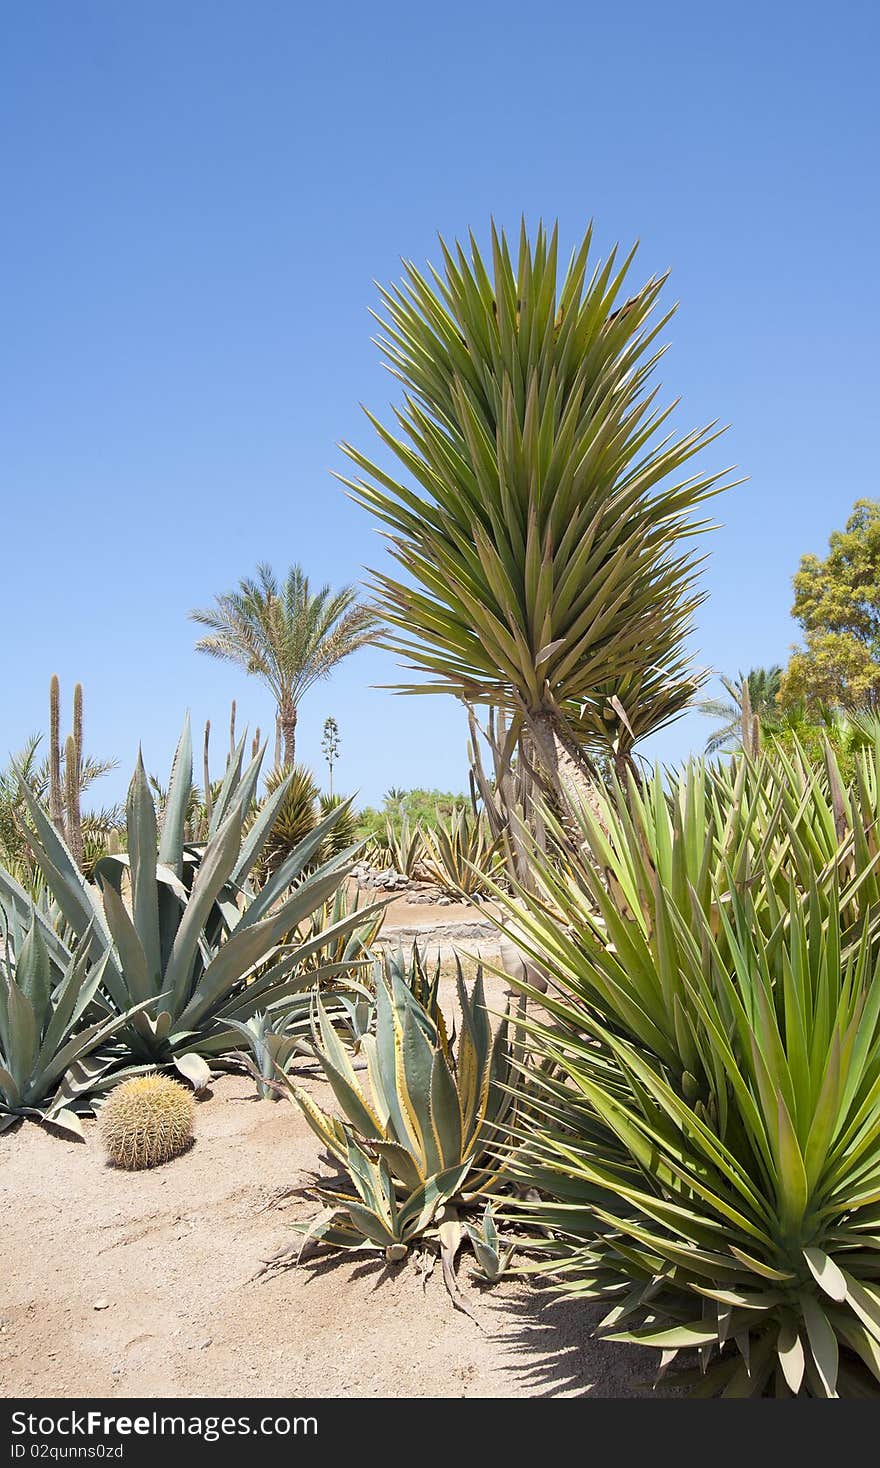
x: 287, y: 716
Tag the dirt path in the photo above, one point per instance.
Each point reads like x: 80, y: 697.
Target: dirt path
x: 173, y: 1253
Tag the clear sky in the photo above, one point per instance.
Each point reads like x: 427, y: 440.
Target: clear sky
x: 196, y: 200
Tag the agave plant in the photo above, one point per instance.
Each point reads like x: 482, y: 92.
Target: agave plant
x: 45, y: 1034
x: 461, y: 855
x: 179, y: 930
x: 354, y: 1014
x: 492, y: 1257
x: 422, y: 984
x: 295, y: 815
x: 403, y: 848
x: 275, y: 1039
x: 341, y: 935
x: 705, y: 1126
x: 344, y: 833
x: 424, y: 1135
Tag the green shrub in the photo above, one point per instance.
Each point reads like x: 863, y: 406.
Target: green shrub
x: 411, y: 809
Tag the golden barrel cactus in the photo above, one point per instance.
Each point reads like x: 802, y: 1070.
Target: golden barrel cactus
x: 147, y: 1121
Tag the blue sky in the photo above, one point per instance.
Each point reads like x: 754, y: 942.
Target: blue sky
x: 197, y: 198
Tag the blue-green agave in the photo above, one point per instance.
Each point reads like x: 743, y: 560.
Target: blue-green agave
x: 50, y: 1049
x: 185, y: 940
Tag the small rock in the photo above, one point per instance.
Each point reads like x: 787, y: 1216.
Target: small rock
x: 209, y: 1341
x: 102, y: 1304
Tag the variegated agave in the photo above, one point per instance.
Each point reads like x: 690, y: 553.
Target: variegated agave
x: 424, y: 1135
x: 185, y: 941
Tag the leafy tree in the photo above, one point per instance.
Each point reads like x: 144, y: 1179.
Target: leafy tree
x: 540, y: 518
x: 286, y: 635
x: 813, y: 729
x: 418, y: 807
x: 763, y: 686
x: 837, y: 602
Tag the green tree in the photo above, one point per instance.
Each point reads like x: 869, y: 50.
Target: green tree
x: 286, y: 635
x: 763, y: 688
x: 837, y: 602
x: 539, y: 521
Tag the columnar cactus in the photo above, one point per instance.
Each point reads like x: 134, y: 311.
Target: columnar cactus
x: 64, y: 798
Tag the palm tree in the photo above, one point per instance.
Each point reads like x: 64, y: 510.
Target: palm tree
x: 538, y: 523
x: 763, y: 686
x: 285, y: 635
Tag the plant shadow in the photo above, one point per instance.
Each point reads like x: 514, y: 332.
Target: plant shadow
x: 554, y: 1351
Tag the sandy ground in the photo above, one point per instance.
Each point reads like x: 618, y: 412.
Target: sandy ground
x: 145, y: 1284
x: 170, y: 1255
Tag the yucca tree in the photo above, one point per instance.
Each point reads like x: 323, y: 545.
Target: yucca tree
x: 540, y: 517
x: 286, y: 634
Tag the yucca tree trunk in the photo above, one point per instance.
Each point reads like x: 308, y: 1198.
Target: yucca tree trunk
x: 287, y: 717
x: 564, y: 763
